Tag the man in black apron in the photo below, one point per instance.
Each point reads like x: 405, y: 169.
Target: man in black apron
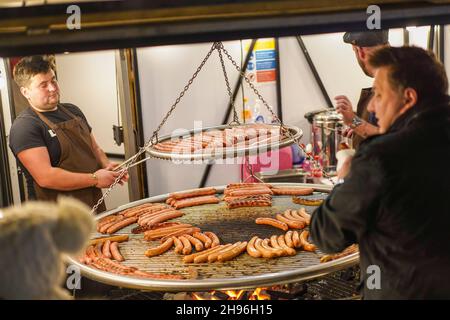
x: 53, y: 141
x: 363, y: 124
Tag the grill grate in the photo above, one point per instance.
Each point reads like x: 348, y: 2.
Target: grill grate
x: 231, y: 226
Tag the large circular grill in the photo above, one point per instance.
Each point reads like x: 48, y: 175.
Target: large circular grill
x: 231, y: 226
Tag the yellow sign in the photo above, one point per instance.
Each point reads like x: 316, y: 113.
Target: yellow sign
x: 262, y: 44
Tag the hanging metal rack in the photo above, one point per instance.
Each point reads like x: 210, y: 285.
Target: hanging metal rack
x: 292, y: 134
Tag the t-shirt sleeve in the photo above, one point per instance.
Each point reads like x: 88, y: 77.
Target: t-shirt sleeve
x: 77, y: 111
x: 26, y: 133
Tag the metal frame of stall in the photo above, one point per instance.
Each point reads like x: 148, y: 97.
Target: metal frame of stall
x: 42, y: 28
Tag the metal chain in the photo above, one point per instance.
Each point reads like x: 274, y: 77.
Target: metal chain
x: 219, y: 47
x: 249, y: 169
x: 283, y: 127
x: 152, y: 140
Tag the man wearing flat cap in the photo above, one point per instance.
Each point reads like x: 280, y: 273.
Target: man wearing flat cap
x: 363, y: 123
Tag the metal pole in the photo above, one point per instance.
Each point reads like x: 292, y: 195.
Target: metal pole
x: 314, y: 72
x: 278, y: 79
x: 230, y: 106
x: 431, y: 38
x: 405, y: 37
x: 441, y: 40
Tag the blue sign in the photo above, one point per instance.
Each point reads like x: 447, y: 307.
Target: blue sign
x: 265, y: 65
x: 265, y: 54
x: 250, y: 66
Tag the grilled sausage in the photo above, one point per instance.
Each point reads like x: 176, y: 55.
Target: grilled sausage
x: 195, y: 242
x: 232, y: 253
x: 106, y: 220
x: 187, y: 248
x: 307, y: 202
x: 212, y: 257
x: 164, y: 217
x: 142, y: 209
x: 193, y: 193
x: 289, y: 251
x: 121, y: 224
x: 295, y: 224
x: 168, y: 227
x: 163, y: 225
x: 347, y: 251
x: 251, y: 250
x: 90, y: 252
x: 264, y: 252
x: 249, y: 192
x: 296, y: 239
x: 288, y: 239
x: 160, y: 249
x: 191, y: 202
x: 277, y: 244
x: 304, y: 241
x: 302, y: 212
x: 112, y: 266
x: 114, y: 247
x: 98, y: 249
x: 278, y: 252
x: 292, y: 215
x: 143, y: 219
x: 292, y: 191
x: 121, y: 238
x: 202, y: 256
x: 181, y: 232
x: 247, y: 184
x: 272, y: 222
x: 105, y: 250
x: 178, y: 245
x: 207, y: 242
x: 274, y: 242
x: 259, y: 197
x: 158, y: 233
x: 214, y: 238
x: 161, y: 217
x: 248, y: 203
x: 104, y: 227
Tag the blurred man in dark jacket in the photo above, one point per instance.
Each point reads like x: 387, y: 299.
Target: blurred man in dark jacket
x: 395, y: 201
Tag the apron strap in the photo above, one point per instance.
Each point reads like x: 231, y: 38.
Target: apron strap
x: 65, y: 110
x: 44, y: 119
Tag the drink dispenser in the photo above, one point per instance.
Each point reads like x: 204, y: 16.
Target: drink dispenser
x: 326, y: 138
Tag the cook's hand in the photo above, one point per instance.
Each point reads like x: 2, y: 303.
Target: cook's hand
x: 105, y: 178
x: 111, y: 166
x: 344, y: 107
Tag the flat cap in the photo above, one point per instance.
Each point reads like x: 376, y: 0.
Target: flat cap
x: 367, y: 38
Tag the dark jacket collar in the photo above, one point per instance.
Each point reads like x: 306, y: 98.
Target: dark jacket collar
x: 419, y: 111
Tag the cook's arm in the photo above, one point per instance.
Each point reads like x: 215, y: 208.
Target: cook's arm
x: 37, y: 162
